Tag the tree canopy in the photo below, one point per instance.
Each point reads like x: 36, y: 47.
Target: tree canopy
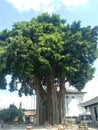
x: 9, y: 114
x: 45, y: 53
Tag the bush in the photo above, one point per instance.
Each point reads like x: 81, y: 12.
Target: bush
x: 9, y: 114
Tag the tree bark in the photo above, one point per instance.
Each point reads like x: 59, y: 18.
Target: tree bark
x: 39, y: 109
x: 52, y: 101
x: 41, y: 105
x: 50, y: 105
x: 61, y: 98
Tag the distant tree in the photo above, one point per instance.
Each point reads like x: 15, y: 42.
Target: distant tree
x: 20, y: 114
x: 46, y: 53
x: 3, y: 114
x: 13, y: 112
x: 9, y: 114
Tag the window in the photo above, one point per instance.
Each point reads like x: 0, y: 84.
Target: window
x: 96, y: 113
x: 67, y: 97
x: 73, y: 97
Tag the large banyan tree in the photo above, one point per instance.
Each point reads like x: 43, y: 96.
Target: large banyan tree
x: 44, y: 54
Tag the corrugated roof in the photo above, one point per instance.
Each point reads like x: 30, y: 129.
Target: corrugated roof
x: 90, y: 102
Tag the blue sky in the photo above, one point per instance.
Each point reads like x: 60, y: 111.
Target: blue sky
x: 85, y: 11
x: 23, y: 10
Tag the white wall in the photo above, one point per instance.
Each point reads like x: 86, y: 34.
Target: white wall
x: 72, y: 104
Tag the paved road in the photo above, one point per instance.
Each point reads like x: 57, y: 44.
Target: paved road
x: 93, y: 128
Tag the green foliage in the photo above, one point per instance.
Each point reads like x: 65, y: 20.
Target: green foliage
x: 54, y: 19
x: 3, y: 82
x: 47, y: 44
x: 13, y: 84
x: 9, y: 114
x: 20, y: 114
x: 4, y: 35
x: 12, y: 112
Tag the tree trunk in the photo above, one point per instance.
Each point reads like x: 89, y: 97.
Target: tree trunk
x: 48, y: 108
x: 52, y: 101
x: 38, y: 109
x: 63, y: 114
x: 61, y: 98
x: 41, y: 106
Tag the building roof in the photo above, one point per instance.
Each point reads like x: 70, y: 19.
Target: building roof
x: 30, y: 112
x: 91, y: 102
x: 70, y: 91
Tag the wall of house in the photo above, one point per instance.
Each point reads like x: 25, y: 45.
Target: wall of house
x: 73, y: 107
x: 94, y: 114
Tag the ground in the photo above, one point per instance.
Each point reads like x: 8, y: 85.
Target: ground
x: 24, y: 127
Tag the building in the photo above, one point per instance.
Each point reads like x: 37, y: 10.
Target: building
x: 73, y: 100
x: 30, y: 116
x: 92, y: 105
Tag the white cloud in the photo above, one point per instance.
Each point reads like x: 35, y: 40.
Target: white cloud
x: 44, y: 5
x: 71, y: 4
x: 7, y: 98
x: 91, y: 88
x: 4, y: 100
x: 36, y: 5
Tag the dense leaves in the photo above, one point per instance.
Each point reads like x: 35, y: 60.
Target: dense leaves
x: 9, y: 114
x: 3, y: 82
